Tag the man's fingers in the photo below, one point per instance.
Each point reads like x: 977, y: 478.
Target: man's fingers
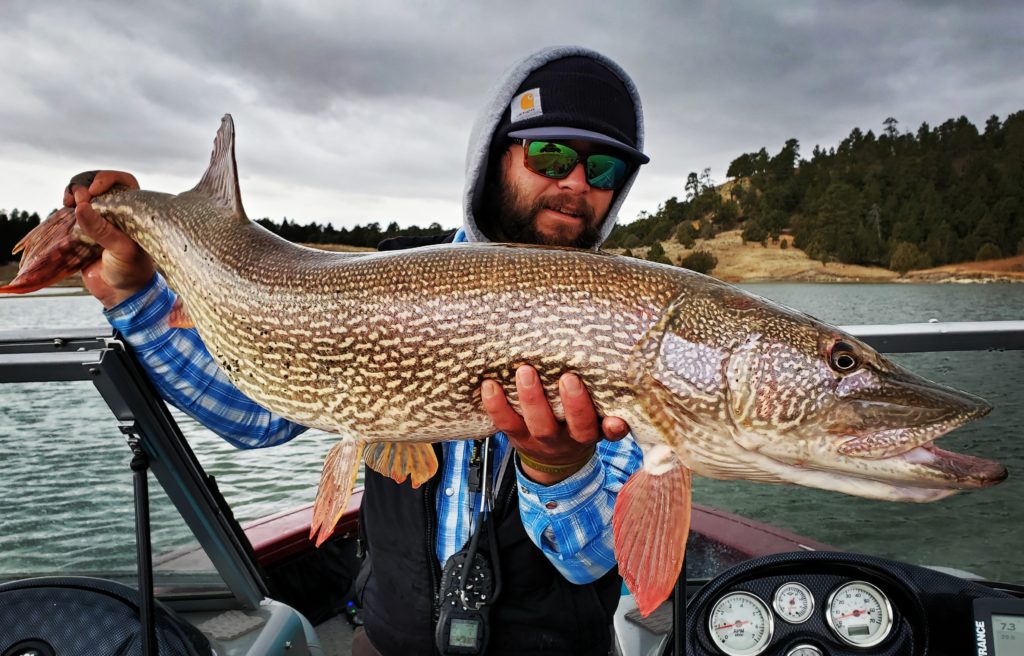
x: 501, y: 413
x: 103, y: 232
x: 84, y: 186
x: 537, y: 413
x: 104, y: 180
x: 80, y: 194
x: 580, y: 414
x: 614, y: 429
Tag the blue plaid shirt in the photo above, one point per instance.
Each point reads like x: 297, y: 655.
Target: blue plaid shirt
x: 569, y: 521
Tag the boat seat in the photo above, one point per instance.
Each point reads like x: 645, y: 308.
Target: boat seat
x: 80, y: 616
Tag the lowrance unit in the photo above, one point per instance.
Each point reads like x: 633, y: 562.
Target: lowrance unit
x: 999, y: 627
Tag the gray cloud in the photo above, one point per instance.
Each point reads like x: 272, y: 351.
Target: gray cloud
x: 360, y: 111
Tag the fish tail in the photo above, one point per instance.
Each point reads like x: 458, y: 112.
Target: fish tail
x: 52, y: 251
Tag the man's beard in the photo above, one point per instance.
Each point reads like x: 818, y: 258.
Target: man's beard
x: 508, y: 217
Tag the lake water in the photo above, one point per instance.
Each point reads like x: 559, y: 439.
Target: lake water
x: 65, y: 487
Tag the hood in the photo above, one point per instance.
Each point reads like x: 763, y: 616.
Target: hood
x: 490, y: 115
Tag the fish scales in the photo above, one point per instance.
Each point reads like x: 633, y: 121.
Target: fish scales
x: 390, y: 351
x: 252, y: 296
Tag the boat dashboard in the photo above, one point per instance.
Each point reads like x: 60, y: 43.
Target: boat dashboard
x: 843, y: 604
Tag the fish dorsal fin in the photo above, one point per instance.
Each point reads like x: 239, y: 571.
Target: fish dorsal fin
x: 220, y: 182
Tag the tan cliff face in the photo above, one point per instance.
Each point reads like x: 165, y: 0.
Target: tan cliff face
x: 750, y: 262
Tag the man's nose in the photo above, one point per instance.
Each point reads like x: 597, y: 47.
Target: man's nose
x: 576, y: 181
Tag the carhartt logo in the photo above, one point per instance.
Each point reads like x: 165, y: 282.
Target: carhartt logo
x: 526, y: 105
x: 980, y: 638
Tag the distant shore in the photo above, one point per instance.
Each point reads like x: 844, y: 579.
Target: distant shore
x: 752, y: 262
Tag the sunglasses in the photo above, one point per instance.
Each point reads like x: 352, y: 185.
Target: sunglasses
x: 555, y: 160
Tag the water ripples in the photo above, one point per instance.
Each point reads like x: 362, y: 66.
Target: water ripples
x: 66, y: 494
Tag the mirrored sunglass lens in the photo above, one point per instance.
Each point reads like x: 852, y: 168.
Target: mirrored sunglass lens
x: 605, y: 171
x: 550, y: 159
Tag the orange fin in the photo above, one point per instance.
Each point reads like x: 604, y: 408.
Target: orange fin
x: 179, y: 318
x: 336, y: 482
x: 651, y: 522
x: 53, y: 250
x: 402, y: 459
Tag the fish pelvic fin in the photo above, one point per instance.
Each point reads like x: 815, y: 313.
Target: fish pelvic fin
x: 401, y: 460
x: 336, y: 482
x: 179, y: 317
x: 52, y: 251
x: 220, y: 182
x: 651, y: 523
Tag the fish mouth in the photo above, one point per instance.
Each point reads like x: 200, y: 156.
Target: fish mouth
x: 918, y: 463
x: 961, y: 470
x: 891, y: 466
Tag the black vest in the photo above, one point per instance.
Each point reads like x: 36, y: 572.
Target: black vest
x: 538, y: 612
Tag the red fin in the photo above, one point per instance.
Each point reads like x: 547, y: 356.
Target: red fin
x: 179, y: 318
x: 53, y: 250
x: 651, y: 522
x: 400, y: 460
x: 336, y: 482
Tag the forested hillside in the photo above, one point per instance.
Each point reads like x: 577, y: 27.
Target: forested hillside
x: 13, y: 226
x: 904, y: 200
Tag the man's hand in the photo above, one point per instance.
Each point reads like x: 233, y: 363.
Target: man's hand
x: 538, y: 435
x: 124, y: 268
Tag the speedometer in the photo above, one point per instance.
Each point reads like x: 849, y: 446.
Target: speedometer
x: 741, y: 624
x: 860, y: 614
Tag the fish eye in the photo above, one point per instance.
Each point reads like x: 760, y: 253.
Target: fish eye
x: 842, y: 358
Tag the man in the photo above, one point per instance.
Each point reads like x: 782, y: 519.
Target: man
x: 550, y: 161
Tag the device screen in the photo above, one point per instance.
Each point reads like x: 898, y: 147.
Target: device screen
x: 463, y: 633
x: 1008, y: 635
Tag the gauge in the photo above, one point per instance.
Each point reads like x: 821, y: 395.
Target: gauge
x: 793, y: 602
x: 741, y: 624
x: 860, y: 614
x: 804, y: 650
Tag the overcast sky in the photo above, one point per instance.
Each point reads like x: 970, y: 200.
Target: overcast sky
x: 351, y: 112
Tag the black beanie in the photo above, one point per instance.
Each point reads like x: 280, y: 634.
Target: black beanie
x: 572, y: 97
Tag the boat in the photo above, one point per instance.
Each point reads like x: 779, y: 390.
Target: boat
x: 260, y: 587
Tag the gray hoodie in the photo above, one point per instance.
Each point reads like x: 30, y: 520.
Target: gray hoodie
x: 490, y: 115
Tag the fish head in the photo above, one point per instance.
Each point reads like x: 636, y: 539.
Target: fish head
x: 744, y: 388
x: 815, y: 400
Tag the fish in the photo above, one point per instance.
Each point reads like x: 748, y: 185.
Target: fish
x: 389, y: 351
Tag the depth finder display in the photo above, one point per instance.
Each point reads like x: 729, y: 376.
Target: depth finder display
x: 463, y: 633
x: 1008, y: 635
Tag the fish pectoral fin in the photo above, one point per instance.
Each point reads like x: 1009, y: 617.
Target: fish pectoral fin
x: 401, y: 460
x: 336, y: 482
x: 651, y: 523
x: 179, y: 317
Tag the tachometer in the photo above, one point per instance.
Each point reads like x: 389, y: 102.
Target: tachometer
x: 741, y: 624
x: 793, y: 602
x: 860, y: 614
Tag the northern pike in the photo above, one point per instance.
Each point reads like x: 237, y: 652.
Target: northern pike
x: 389, y: 350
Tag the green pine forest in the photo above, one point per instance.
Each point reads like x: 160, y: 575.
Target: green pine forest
x: 899, y: 199
x: 902, y: 200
